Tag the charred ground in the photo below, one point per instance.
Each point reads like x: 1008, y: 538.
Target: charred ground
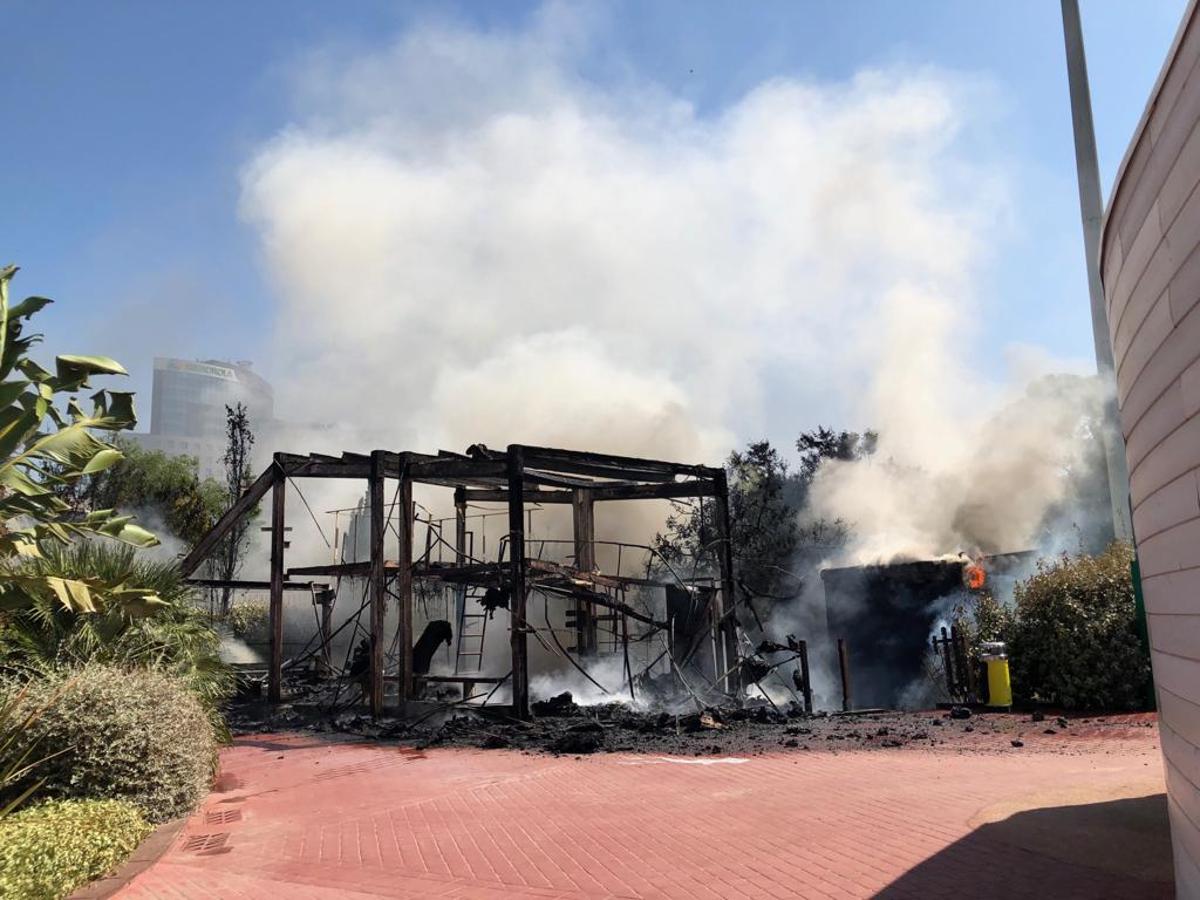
x: 562, y: 727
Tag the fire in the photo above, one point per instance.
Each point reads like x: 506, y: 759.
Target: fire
x: 974, y: 576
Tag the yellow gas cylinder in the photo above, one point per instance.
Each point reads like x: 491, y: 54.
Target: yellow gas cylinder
x: 995, y: 658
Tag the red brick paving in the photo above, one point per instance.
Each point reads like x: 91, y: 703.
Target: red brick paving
x: 314, y: 819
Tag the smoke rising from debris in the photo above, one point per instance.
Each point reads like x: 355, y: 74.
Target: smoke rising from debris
x: 985, y: 482
x: 471, y: 242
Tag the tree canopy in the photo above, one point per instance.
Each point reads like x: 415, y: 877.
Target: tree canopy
x: 772, y: 543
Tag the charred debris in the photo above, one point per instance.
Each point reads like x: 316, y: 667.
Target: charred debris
x: 679, y: 637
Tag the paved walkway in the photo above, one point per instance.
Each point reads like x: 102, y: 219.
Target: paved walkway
x: 298, y: 817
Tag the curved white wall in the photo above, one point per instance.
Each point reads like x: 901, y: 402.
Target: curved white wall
x: 1151, y: 269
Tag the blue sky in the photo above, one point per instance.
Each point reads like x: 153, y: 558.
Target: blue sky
x: 127, y: 126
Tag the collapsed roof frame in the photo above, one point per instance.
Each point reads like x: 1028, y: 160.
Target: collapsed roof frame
x: 517, y: 476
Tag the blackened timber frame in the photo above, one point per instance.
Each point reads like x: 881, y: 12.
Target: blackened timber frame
x: 518, y: 476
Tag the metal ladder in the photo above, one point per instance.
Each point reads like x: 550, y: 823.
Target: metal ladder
x: 472, y: 629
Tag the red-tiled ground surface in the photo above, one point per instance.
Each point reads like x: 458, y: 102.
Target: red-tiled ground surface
x: 300, y: 817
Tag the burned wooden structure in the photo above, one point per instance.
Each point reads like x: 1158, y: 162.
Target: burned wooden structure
x: 515, y: 477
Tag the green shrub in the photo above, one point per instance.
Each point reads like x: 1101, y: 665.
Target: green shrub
x: 249, y: 619
x: 1074, y: 641
x: 49, y: 850
x: 171, y: 635
x: 136, y: 735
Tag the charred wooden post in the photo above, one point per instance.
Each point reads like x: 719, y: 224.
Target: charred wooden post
x: 517, y: 596
x: 275, y: 608
x: 460, y: 559
x: 583, y: 510
x: 948, y: 663
x: 844, y: 666
x: 962, y: 668
x: 404, y: 585
x: 460, y: 526
x: 802, y: 652
x: 325, y: 659
x: 378, y: 586
x: 726, y: 620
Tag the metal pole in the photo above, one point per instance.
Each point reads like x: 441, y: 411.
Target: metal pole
x: 1091, y: 209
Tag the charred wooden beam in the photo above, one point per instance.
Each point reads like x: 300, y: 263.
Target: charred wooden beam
x: 451, y: 468
x: 635, y: 468
x: 598, y: 578
x: 554, y: 479
x: 335, y: 570
x: 467, y: 573
x: 249, y: 499
x: 515, y: 466
x: 574, y: 590
x: 296, y: 466
x: 275, y: 614
x: 378, y: 586
x: 669, y: 491
x: 241, y: 584
x: 500, y: 495
x: 403, y: 587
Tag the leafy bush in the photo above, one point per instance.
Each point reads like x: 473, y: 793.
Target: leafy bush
x: 1074, y: 640
x: 18, y: 756
x: 37, y: 462
x: 136, y: 735
x: 172, y: 634
x: 249, y: 619
x: 49, y: 850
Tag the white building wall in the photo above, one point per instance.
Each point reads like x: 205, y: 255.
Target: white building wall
x: 1151, y: 269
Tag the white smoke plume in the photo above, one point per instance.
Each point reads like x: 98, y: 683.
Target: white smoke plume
x: 472, y: 243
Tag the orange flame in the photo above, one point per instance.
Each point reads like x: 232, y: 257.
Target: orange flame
x: 974, y: 576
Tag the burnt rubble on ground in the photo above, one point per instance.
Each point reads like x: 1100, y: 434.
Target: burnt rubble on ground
x: 560, y: 726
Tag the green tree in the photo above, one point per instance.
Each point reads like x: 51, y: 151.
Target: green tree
x: 239, y: 444
x: 1074, y: 641
x: 42, y: 448
x: 152, y: 481
x: 773, y: 545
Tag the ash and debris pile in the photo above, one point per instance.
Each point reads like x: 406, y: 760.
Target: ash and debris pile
x: 560, y: 726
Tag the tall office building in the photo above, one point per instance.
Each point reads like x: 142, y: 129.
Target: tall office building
x: 187, y: 408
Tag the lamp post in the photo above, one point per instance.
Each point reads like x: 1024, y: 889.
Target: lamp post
x: 1091, y: 209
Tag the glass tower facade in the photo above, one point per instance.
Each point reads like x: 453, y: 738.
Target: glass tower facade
x: 189, y: 398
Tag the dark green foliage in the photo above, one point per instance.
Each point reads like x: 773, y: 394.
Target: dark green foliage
x: 154, y: 482
x: 773, y: 546
x: 1074, y: 642
x: 824, y: 443
x: 50, y: 850
x: 47, y: 444
x: 1071, y: 633
x: 248, y: 620
x: 135, y: 735
x: 239, y: 443
x: 173, y: 636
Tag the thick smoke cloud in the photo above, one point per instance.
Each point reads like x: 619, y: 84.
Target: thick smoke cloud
x: 472, y: 243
